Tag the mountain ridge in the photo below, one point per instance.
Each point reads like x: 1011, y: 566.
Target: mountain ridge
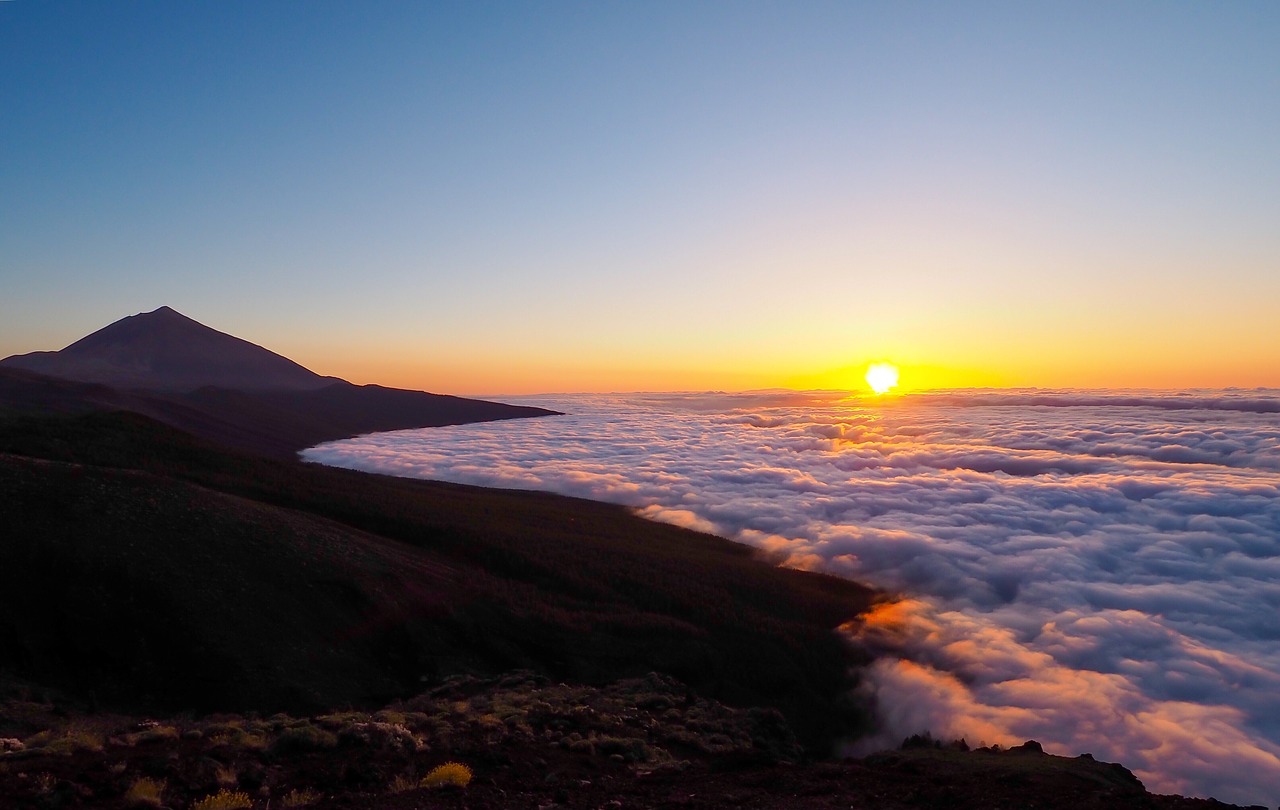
x: 164, y: 350
x: 192, y: 377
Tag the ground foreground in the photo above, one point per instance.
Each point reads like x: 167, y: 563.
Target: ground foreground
x: 519, y: 741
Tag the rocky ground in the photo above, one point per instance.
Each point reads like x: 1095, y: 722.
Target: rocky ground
x: 520, y: 741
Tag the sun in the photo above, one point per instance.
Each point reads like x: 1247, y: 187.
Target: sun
x: 882, y: 376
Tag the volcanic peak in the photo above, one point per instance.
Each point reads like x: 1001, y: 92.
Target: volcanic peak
x: 164, y: 350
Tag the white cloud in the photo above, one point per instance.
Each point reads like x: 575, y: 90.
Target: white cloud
x: 1095, y: 571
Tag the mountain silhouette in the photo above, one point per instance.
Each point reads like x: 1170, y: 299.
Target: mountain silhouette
x: 164, y: 350
x: 180, y: 372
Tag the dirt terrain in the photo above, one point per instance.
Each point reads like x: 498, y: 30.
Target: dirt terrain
x: 522, y: 741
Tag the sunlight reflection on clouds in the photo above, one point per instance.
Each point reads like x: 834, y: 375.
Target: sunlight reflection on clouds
x: 1100, y: 572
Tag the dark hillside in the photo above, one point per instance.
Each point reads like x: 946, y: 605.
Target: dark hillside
x: 280, y: 423
x: 271, y: 423
x: 26, y: 392
x: 216, y: 579
x: 148, y: 592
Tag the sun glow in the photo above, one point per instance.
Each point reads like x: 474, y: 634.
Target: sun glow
x: 882, y: 376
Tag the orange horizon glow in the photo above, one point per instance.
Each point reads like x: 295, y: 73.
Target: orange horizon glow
x: 815, y: 354
x: 492, y: 375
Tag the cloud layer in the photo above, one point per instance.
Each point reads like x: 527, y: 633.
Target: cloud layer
x: 1097, y: 571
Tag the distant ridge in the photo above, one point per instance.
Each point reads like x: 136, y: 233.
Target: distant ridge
x: 171, y: 368
x: 164, y: 350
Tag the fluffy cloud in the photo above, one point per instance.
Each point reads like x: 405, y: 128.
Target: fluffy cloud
x: 1098, y: 571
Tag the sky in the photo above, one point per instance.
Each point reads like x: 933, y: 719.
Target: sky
x: 504, y: 198
x: 1099, y: 572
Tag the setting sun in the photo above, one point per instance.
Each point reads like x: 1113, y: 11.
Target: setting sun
x: 882, y: 376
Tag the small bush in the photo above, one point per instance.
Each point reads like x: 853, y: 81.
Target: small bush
x: 632, y: 750
x: 69, y: 742
x: 401, y: 784
x: 301, y: 798
x: 44, y: 784
x: 303, y: 738
x: 144, y: 792
x: 335, y: 721
x: 224, y: 800
x: 379, y: 735
x: 152, y: 735
x: 924, y: 740
x: 450, y: 773
x: 234, y: 736
x: 226, y: 776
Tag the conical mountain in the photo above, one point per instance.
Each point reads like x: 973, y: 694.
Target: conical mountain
x: 164, y: 350
x: 166, y: 366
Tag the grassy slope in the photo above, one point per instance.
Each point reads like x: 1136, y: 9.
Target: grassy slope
x: 146, y: 566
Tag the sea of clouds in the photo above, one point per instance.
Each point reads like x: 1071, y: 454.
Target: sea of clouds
x: 1099, y: 571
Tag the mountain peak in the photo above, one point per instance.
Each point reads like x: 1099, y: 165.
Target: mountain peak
x: 164, y: 350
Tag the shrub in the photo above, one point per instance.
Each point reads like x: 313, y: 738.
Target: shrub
x: 632, y: 750
x: 69, y: 742
x: 400, y: 784
x: 301, y: 798
x: 388, y: 716
x: 234, y: 736
x: 224, y: 800
x: 379, y: 735
x: 144, y: 792
x: 226, y: 776
x: 152, y: 735
x: 44, y: 784
x: 303, y: 738
x: 450, y: 773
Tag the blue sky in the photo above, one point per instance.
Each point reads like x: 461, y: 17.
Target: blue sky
x: 493, y: 198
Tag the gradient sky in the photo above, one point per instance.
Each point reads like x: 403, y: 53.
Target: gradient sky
x: 517, y: 197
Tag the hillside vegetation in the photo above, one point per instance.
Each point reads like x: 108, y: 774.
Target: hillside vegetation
x: 147, y: 570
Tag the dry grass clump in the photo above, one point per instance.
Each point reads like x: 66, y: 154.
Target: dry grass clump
x: 234, y: 735
x: 144, y: 792
x: 301, y: 798
x: 378, y: 735
x: 226, y: 776
x: 339, y: 719
x: 449, y: 774
x: 154, y: 734
x: 224, y: 800
x: 401, y: 784
x: 44, y: 783
x: 68, y: 742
